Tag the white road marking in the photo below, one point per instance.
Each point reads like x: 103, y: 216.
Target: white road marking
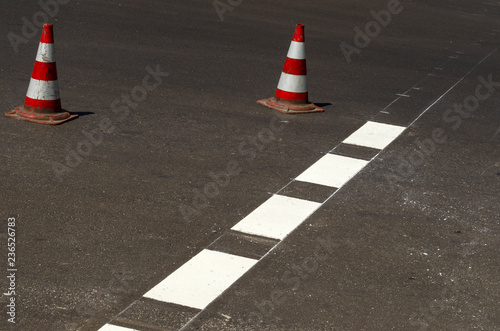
x: 332, y: 170
x: 277, y: 217
x: 110, y: 327
x: 375, y: 135
x: 207, y: 275
x: 452, y: 87
x: 393, y: 101
x: 202, y: 279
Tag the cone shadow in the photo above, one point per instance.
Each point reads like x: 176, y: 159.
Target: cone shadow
x: 322, y: 104
x: 82, y: 113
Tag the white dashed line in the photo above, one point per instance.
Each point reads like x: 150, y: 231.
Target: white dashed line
x: 208, y: 274
x: 202, y: 279
x: 110, y: 327
x: 277, y: 217
x: 375, y: 135
x: 332, y: 170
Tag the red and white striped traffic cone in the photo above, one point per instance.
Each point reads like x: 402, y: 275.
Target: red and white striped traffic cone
x: 43, y: 103
x: 291, y: 94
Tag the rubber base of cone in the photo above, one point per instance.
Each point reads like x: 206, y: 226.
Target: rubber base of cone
x: 290, y: 108
x: 21, y: 113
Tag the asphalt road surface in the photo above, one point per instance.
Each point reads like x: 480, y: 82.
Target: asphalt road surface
x: 175, y: 201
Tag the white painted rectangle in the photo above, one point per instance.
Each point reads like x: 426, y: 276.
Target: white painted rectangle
x: 202, y: 279
x: 111, y: 327
x: 332, y: 170
x: 375, y: 135
x: 277, y: 217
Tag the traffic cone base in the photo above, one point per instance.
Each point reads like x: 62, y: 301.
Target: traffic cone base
x: 287, y: 107
x: 23, y: 113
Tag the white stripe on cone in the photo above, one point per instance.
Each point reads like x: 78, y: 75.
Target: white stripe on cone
x: 45, y: 53
x: 293, y: 83
x: 43, y: 90
x: 297, y: 51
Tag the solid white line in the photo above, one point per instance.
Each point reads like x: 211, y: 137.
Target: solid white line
x: 43, y: 90
x: 393, y: 101
x: 297, y: 50
x: 332, y: 170
x: 201, y: 280
x: 375, y: 135
x: 293, y: 83
x: 45, y: 53
x: 111, y: 327
x: 451, y: 88
x: 277, y: 217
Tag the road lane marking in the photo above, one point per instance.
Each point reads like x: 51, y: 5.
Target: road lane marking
x: 375, y: 135
x: 452, y: 87
x: 202, y: 279
x: 277, y: 217
x: 332, y: 170
x: 207, y: 275
x: 111, y: 327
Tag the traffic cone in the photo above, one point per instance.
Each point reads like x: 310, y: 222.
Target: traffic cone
x: 43, y: 103
x: 291, y: 94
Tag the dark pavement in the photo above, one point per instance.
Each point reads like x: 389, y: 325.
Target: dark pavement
x: 410, y: 243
